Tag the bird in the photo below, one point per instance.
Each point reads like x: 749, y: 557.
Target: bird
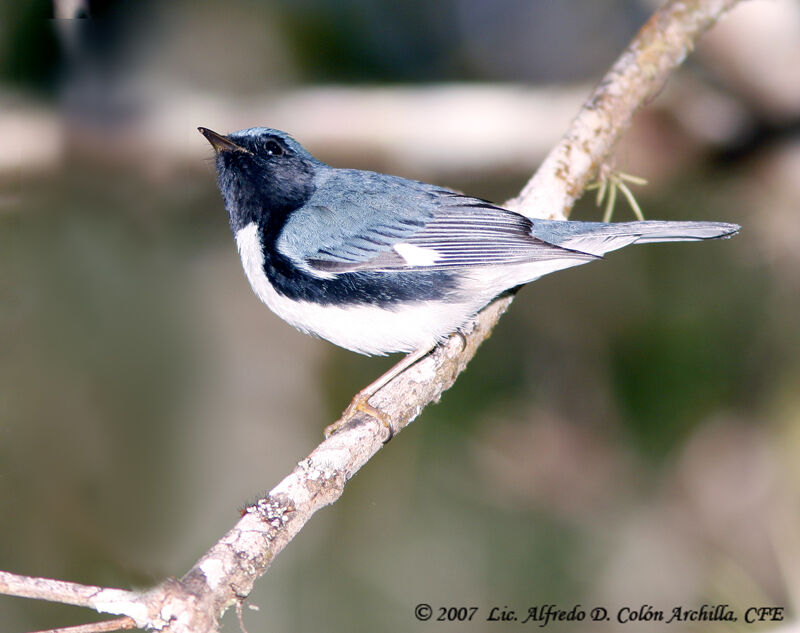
x: 379, y: 264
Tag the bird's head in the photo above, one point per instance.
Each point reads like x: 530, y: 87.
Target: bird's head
x: 263, y: 174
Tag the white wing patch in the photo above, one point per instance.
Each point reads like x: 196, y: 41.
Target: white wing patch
x: 416, y: 255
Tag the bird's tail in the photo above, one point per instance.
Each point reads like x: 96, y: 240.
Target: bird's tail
x: 599, y: 238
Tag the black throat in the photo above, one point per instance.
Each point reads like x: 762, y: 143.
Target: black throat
x: 265, y: 193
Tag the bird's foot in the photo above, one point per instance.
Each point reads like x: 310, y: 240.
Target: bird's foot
x: 361, y: 400
x: 361, y: 404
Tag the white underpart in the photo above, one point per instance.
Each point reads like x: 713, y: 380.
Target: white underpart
x: 489, y: 281
x: 416, y: 255
x: 406, y: 327
x: 363, y: 328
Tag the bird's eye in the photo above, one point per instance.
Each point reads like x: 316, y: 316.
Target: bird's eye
x: 272, y: 148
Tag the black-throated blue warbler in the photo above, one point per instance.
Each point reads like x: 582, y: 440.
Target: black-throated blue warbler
x: 380, y: 264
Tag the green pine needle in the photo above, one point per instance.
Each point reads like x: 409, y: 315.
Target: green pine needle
x: 610, y: 181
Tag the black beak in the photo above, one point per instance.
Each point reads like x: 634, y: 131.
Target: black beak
x: 221, y: 143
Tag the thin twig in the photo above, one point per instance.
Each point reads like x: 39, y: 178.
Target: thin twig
x: 104, y: 626
x: 101, y: 599
x: 57, y: 590
x: 240, y: 617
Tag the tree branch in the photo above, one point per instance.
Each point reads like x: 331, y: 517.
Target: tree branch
x: 634, y: 80
x: 105, y: 626
x: 226, y: 573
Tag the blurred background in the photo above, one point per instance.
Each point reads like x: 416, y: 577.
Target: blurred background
x: 629, y: 435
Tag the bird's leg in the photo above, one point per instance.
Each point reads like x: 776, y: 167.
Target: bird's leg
x: 361, y: 400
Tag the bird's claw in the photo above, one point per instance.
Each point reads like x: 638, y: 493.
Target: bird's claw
x: 459, y: 334
x: 361, y: 404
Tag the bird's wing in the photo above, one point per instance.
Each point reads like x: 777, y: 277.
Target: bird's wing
x: 371, y: 222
